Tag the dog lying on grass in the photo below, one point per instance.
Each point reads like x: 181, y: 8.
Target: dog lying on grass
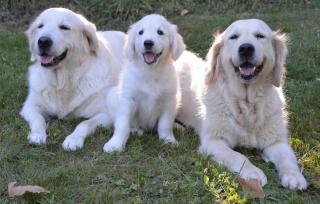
x: 73, y: 68
x: 239, y: 101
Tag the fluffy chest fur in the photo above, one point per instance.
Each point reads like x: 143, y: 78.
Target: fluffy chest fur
x: 149, y: 90
x: 250, y: 120
x: 148, y: 109
x: 65, y: 90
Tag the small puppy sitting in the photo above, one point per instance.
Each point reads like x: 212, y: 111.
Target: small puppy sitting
x: 147, y: 94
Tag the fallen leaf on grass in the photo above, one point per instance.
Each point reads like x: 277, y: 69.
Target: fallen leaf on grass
x: 184, y: 12
x: 252, y: 186
x: 14, y: 191
x: 307, y: 1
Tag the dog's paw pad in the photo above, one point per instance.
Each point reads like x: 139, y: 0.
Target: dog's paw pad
x: 293, y: 180
x: 37, y: 138
x: 72, y: 143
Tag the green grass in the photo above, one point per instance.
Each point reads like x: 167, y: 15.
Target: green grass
x: 148, y: 171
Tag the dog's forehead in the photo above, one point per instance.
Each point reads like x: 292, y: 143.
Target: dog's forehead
x: 153, y: 21
x: 248, y: 26
x: 58, y: 15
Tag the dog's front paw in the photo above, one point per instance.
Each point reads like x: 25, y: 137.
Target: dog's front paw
x: 72, y: 143
x: 137, y: 131
x: 37, y: 138
x: 171, y: 141
x: 253, y: 172
x: 113, y: 146
x: 168, y: 138
x: 293, y: 180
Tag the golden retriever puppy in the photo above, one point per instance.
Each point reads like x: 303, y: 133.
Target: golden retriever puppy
x: 73, y: 68
x: 241, y: 101
x: 146, y: 97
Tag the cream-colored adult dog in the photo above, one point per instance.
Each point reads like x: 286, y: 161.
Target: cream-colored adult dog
x: 74, y: 67
x: 241, y: 101
x: 146, y: 97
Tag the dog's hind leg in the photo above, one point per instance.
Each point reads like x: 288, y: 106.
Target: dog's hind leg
x: 76, y: 139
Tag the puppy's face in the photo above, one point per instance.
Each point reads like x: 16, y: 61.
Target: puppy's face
x: 153, y: 39
x: 57, y: 34
x: 248, y: 50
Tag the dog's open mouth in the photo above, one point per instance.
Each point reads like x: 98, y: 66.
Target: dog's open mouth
x: 248, y: 70
x: 49, y: 60
x: 150, y: 57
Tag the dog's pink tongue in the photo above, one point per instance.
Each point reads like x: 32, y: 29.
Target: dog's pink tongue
x: 247, y: 70
x: 149, y: 57
x: 46, y: 59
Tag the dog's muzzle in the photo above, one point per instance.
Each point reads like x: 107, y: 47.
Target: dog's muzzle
x: 49, y: 60
x: 248, y: 71
x: 150, y: 57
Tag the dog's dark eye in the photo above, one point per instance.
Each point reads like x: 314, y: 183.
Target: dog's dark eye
x: 233, y: 37
x: 64, y: 27
x: 140, y: 32
x: 259, y: 35
x: 160, y: 32
x: 40, y: 26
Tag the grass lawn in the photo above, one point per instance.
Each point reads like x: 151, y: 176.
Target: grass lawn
x: 149, y: 171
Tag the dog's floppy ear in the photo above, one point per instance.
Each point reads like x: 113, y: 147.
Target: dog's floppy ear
x: 212, y: 59
x: 176, y: 43
x: 30, y: 33
x: 281, y: 51
x: 90, y: 32
x: 129, y: 47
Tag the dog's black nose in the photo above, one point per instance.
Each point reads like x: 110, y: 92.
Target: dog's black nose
x: 44, y: 42
x: 246, y: 50
x: 148, y: 44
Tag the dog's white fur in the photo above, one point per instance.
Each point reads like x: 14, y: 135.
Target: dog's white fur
x: 146, y: 97
x: 78, y: 85
x: 233, y: 113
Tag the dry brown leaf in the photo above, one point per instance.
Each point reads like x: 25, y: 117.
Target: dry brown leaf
x: 14, y: 191
x: 252, y: 186
x: 184, y: 12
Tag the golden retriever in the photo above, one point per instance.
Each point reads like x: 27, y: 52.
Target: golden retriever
x: 146, y: 97
x: 73, y: 68
x: 238, y: 101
